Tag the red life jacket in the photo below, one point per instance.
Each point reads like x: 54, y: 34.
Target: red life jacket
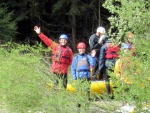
x: 111, y: 52
x: 62, y: 56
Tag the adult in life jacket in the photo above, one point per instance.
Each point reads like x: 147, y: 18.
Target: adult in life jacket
x: 96, y: 41
x: 123, y: 64
x: 61, y: 55
x: 108, y: 56
x: 130, y: 38
x: 82, y: 64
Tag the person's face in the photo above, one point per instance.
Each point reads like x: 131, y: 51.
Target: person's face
x: 63, y: 41
x: 98, y: 34
x: 130, y: 38
x: 81, y: 51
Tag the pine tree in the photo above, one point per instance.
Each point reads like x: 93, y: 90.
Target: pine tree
x: 7, y: 25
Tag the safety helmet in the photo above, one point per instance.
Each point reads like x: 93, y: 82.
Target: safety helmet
x: 81, y: 45
x: 126, y: 46
x: 63, y: 36
x: 101, y: 30
x: 109, y: 41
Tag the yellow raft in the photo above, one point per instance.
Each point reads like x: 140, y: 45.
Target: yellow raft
x: 96, y: 87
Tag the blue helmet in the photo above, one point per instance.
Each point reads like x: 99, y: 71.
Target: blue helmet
x: 126, y: 46
x: 108, y: 41
x: 63, y: 36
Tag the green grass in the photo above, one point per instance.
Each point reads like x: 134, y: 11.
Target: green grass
x: 23, y: 86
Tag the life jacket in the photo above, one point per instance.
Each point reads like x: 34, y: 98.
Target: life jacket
x: 111, y: 52
x: 125, y: 66
x: 62, y: 56
x: 83, y: 64
x: 133, y: 50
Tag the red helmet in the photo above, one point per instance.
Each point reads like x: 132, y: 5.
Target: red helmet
x: 81, y: 45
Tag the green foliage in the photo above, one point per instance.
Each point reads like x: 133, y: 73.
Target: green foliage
x: 132, y: 16
x: 24, y: 83
x: 8, y: 25
x: 21, y: 82
x: 25, y: 79
x: 75, y: 7
x: 129, y: 16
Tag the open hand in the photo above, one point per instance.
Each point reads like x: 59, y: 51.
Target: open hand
x: 37, y: 29
x: 93, y: 53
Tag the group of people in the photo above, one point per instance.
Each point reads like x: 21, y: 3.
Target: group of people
x: 102, y: 57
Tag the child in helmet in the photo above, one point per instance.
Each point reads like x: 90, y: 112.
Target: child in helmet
x: 61, y: 55
x: 82, y: 64
x: 81, y: 69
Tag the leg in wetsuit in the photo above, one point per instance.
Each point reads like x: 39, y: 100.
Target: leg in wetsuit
x: 62, y: 78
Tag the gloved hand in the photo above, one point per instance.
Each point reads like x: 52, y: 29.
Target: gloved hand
x: 91, y: 72
x: 37, y: 29
x: 91, y: 69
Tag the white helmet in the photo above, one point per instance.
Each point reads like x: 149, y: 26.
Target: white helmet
x: 101, y: 30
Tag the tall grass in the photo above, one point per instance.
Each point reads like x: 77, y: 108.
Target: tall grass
x: 24, y: 77
x: 25, y: 86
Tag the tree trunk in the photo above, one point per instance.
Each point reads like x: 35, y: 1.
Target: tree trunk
x: 73, y: 26
x: 73, y: 31
x: 99, y: 13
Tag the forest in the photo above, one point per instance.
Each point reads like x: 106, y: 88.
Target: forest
x: 78, y: 19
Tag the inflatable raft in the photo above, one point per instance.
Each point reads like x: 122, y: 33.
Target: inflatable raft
x: 96, y: 87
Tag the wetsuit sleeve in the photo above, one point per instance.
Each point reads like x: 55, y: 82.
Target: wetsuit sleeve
x: 117, y: 68
x: 73, y: 69
x: 70, y: 56
x: 96, y: 46
x: 90, y: 60
x: 102, y: 57
x: 47, y: 41
x: 91, y: 42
